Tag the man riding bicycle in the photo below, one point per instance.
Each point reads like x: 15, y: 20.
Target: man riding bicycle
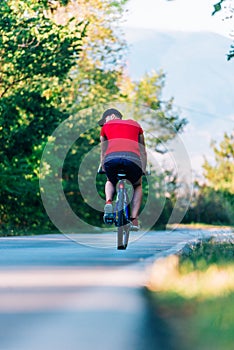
x: 122, y: 147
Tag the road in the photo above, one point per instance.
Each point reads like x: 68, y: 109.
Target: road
x: 57, y: 294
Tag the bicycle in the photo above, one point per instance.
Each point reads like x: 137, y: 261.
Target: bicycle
x: 121, y: 214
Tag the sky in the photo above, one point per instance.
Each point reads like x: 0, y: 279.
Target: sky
x: 186, y: 15
x: 182, y: 15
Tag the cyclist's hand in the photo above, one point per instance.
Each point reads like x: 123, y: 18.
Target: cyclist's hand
x: 101, y: 170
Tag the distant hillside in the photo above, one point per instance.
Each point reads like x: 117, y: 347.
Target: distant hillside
x: 198, y: 74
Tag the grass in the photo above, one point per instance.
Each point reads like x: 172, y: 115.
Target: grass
x: 200, y: 226
x: 195, y: 295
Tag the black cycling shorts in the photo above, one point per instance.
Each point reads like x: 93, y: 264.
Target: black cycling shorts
x: 128, y: 162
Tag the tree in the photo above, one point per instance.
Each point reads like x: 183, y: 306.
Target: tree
x: 102, y: 79
x: 220, y: 175
x: 230, y: 10
x: 147, y: 94
x: 36, y: 56
x: 59, y: 57
x: 141, y: 100
x: 211, y: 207
x: 213, y: 202
x: 45, y: 78
x: 33, y: 47
x: 95, y: 78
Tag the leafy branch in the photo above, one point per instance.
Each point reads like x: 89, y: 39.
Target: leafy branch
x: 218, y: 7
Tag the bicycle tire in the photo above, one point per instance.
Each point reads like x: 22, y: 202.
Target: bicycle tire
x: 126, y: 231
x: 120, y: 218
x: 120, y: 208
x: 123, y: 237
x: 127, y: 208
x: 126, y: 227
x: 122, y: 223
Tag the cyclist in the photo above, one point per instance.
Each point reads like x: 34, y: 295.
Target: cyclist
x: 122, y: 147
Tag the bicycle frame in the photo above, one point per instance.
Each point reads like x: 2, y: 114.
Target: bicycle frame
x: 122, y: 209
x: 122, y: 196
x: 122, y: 212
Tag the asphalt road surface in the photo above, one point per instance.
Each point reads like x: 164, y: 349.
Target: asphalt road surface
x: 58, y: 294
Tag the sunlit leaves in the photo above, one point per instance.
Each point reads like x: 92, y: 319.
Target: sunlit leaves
x: 229, y: 8
x: 36, y: 56
x: 148, y: 92
x: 220, y: 175
x: 230, y: 55
x: 33, y: 46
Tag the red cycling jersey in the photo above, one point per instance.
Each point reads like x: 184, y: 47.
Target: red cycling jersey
x: 122, y: 136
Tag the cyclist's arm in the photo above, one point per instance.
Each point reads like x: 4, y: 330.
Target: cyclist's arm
x: 141, y: 140
x: 103, y: 140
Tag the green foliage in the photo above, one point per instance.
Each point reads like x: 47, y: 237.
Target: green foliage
x: 58, y: 58
x: 34, y: 47
x: 203, y: 322
x: 79, y: 186
x: 210, y: 207
x: 213, y: 203
x: 231, y: 53
x: 206, y: 254
x: 220, y: 175
x: 95, y: 79
x: 36, y: 56
x: 44, y: 76
x: 160, y: 190
x: 218, y: 7
x: 159, y: 118
x: 100, y: 79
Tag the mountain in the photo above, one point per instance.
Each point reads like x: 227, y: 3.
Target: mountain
x: 198, y: 76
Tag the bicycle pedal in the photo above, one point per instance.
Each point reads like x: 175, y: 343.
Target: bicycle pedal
x: 108, y: 219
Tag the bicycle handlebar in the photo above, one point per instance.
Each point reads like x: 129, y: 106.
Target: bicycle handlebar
x: 100, y: 170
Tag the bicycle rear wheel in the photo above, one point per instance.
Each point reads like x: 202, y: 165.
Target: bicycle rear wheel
x: 123, y: 236
x: 123, y: 226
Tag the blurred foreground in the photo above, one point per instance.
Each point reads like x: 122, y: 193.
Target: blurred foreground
x: 58, y: 294
x: 195, y: 294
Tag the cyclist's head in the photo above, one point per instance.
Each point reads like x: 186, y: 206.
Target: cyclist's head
x: 108, y: 113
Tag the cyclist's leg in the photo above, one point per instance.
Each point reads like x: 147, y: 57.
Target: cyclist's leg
x: 110, y: 188
x: 134, y: 175
x: 108, y: 208
x: 136, y: 199
x: 111, y: 169
x: 109, y: 191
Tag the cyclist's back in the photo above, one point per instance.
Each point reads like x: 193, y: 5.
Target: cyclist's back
x: 122, y: 136
x: 122, y: 147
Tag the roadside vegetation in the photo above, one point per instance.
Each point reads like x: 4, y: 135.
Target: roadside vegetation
x: 194, y: 294
x: 213, y: 201
x: 57, y: 59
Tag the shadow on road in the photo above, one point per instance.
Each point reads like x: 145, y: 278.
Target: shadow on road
x: 155, y: 332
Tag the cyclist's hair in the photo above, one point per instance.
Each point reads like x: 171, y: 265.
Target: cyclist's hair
x: 110, y: 111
